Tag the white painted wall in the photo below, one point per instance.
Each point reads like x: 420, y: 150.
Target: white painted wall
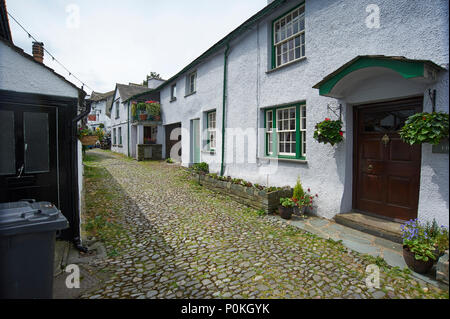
x: 98, y: 108
x: 335, y: 33
x: 121, y: 121
x: 20, y: 74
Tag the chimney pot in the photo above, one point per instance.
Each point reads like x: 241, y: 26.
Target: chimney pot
x: 38, y: 51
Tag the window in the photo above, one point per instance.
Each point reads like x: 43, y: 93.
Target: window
x: 285, y: 129
x: 191, y: 84
x: 289, y: 37
x: 114, y: 137
x: 117, y: 110
x: 120, y: 136
x: 211, y: 130
x: 173, y: 92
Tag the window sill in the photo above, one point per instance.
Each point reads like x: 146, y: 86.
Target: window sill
x: 173, y: 100
x: 295, y: 160
x: 190, y: 94
x: 211, y: 152
x: 285, y: 65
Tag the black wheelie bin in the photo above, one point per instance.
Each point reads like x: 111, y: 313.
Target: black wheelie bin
x: 27, y: 241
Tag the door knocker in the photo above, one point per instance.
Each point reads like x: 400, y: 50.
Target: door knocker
x: 385, y: 140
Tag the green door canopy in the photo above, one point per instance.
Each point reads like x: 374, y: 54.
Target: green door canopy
x: 424, y: 70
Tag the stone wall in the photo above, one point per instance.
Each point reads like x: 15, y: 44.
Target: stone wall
x: 250, y: 196
x: 149, y: 152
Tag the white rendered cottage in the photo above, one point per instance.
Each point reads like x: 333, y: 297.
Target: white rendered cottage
x: 248, y: 105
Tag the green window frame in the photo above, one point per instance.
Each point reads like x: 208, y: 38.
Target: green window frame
x: 211, y: 130
x: 285, y: 135
x: 288, y: 37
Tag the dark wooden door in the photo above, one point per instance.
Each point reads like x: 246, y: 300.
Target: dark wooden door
x: 28, y: 154
x: 173, y: 141
x: 387, y: 170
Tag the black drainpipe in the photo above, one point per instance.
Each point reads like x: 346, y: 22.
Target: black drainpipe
x: 74, y: 163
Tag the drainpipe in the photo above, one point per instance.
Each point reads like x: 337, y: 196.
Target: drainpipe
x: 74, y: 164
x: 225, y: 66
x: 128, y: 135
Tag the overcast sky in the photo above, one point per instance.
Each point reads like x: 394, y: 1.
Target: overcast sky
x: 116, y: 41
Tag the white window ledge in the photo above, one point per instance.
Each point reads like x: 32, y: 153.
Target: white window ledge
x: 286, y: 64
x: 300, y: 161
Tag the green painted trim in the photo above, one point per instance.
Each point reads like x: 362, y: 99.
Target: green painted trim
x: 224, y: 100
x: 405, y: 68
x: 273, y: 24
x: 298, y: 133
x: 128, y: 123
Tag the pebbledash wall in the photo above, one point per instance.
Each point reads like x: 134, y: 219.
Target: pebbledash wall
x: 336, y: 32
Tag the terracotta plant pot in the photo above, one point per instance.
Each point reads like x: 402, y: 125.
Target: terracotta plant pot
x: 419, y: 266
x: 89, y: 140
x: 143, y: 117
x: 285, y: 212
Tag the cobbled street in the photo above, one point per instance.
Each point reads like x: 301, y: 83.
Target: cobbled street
x: 167, y: 237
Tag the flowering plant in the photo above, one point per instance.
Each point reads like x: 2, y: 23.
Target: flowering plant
x: 288, y: 202
x: 425, y: 128
x: 418, y: 240
x: 306, y: 200
x: 85, y: 131
x: 329, y: 131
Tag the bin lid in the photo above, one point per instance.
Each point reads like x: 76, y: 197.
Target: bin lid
x: 27, y: 217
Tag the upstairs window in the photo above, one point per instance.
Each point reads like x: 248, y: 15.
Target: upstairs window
x: 117, y: 110
x: 289, y: 37
x: 211, y: 130
x: 285, y: 130
x: 173, y: 92
x: 191, y: 85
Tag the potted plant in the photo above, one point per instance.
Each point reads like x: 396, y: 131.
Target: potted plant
x: 298, y: 193
x: 420, y: 247
x: 425, y: 127
x: 142, y: 107
x: 153, y: 108
x: 329, y: 131
x: 134, y: 109
x: 87, y: 137
x: 286, y: 208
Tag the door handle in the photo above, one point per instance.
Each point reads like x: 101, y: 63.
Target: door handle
x: 20, y: 171
x: 370, y: 167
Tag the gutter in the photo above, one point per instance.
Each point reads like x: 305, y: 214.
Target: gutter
x: 224, y: 99
x: 74, y: 163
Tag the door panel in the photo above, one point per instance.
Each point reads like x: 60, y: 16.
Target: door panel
x: 7, y: 144
x: 196, y: 140
x: 387, y: 170
x: 28, y: 160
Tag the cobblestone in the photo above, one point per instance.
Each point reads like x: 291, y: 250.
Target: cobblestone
x: 180, y: 240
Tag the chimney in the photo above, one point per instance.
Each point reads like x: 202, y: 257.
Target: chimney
x: 38, y: 51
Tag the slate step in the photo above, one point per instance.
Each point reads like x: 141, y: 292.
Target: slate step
x: 371, y: 225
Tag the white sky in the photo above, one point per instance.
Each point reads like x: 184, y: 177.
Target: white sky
x: 119, y: 41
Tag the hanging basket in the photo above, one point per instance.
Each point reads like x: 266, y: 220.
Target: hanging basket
x: 89, y: 140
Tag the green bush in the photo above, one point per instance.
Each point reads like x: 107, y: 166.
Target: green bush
x: 298, y: 190
x: 201, y: 167
x: 169, y: 160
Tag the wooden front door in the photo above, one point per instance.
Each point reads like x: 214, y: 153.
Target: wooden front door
x: 28, y: 154
x: 387, y: 170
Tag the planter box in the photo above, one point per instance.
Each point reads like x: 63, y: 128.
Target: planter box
x: 250, y: 196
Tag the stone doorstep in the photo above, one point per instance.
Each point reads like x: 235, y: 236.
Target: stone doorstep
x: 372, y: 225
